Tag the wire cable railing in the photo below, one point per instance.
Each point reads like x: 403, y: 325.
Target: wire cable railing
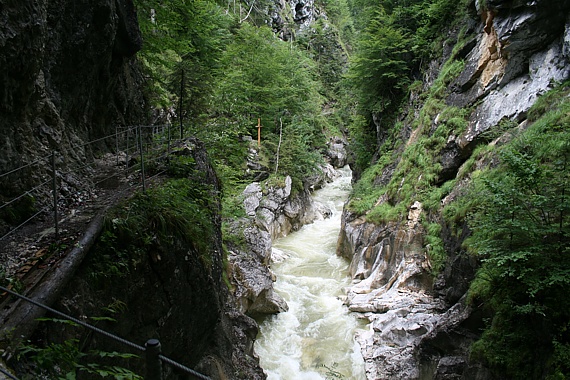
x: 21, y: 167
x: 135, y: 143
x: 24, y: 194
x: 138, y: 146
x: 7, y: 374
x: 152, y: 361
x: 23, y: 223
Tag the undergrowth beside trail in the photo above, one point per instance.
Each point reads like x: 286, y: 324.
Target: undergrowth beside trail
x: 175, y: 214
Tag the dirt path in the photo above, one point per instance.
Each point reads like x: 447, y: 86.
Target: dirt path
x: 32, y: 254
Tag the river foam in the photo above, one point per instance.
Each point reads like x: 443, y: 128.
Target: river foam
x: 315, y: 338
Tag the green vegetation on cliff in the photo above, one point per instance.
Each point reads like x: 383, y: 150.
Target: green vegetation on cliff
x: 521, y: 231
x: 407, y: 165
x: 171, y: 216
x: 395, y: 39
x: 515, y: 207
x: 222, y: 72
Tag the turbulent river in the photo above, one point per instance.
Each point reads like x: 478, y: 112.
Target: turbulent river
x: 315, y: 338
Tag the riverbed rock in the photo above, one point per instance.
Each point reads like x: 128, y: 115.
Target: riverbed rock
x: 252, y: 197
x: 392, y: 288
x: 272, y: 212
x: 277, y: 212
x: 254, y: 285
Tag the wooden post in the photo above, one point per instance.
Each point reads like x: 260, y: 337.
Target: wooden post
x: 258, y: 132
x: 180, y: 103
x: 279, y: 145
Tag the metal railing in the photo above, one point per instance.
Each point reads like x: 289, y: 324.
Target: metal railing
x: 152, y: 348
x: 133, y: 143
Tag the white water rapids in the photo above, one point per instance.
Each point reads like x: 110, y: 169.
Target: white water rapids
x: 315, y: 338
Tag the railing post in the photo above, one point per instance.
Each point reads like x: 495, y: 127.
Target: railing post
x: 54, y: 189
x: 142, y: 158
x: 117, y: 143
x: 128, y: 135
x: 180, y: 105
x: 153, y: 363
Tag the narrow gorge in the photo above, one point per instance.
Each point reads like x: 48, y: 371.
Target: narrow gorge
x: 286, y: 189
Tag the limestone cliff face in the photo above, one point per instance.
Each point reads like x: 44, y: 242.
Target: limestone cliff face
x: 420, y: 326
x: 68, y: 76
x: 290, y: 16
x: 520, y: 49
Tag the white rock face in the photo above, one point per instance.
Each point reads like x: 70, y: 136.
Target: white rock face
x: 272, y: 212
x: 391, y: 289
x: 389, y: 347
x: 252, y: 197
x: 514, y: 99
x: 516, y: 59
x: 277, y: 212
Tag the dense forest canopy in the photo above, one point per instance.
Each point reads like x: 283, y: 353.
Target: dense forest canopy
x: 218, y: 70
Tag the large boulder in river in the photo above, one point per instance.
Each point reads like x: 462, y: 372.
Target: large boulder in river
x: 254, y: 285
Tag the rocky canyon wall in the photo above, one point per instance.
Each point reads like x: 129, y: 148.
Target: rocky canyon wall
x: 273, y: 211
x: 68, y: 76
x: 420, y: 325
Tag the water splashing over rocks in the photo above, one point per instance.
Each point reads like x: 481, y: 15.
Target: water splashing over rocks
x: 314, y: 339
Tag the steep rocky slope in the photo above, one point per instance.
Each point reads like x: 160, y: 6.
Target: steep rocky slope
x: 420, y: 326
x: 68, y: 76
x: 174, y: 291
x: 159, y: 278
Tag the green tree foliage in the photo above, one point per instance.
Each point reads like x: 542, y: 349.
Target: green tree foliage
x: 521, y: 230
x: 179, y: 213
x: 323, y: 44
x: 183, y: 41
x: 380, y: 69
x: 338, y: 11
x: 395, y: 37
x: 263, y: 77
x: 222, y: 73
